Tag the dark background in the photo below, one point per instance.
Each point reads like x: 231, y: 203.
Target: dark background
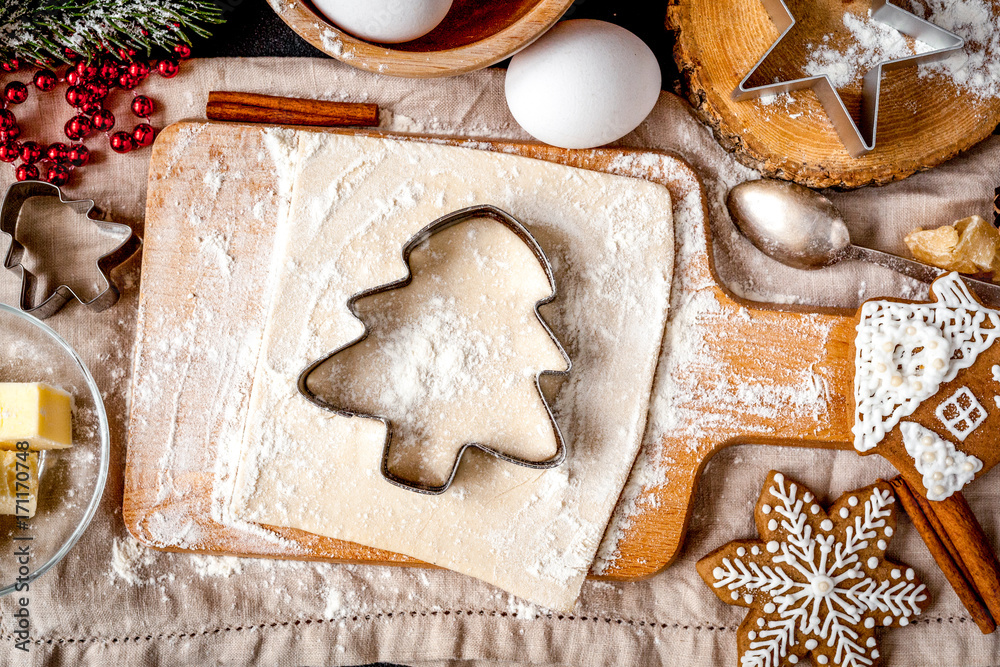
x: 253, y: 29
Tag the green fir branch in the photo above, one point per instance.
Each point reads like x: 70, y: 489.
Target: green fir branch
x: 40, y: 30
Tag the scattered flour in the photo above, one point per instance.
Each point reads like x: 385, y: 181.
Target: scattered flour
x: 873, y: 42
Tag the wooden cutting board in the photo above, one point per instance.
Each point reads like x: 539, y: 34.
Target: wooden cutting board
x: 736, y: 371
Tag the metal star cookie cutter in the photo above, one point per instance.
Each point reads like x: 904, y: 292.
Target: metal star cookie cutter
x: 17, y: 195
x: 857, y: 141
x: 442, y: 223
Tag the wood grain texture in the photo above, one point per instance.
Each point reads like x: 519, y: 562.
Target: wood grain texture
x: 473, y: 35
x: 756, y: 345
x: 924, y: 120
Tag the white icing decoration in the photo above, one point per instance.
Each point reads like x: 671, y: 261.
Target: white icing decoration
x: 772, y: 525
x: 766, y: 509
x: 940, y: 478
x: 815, y: 588
x: 996, y: 372
x: 881, y: 544
x: 826, y: 525
x: 735, y: 595
x: 844, y: 512
x: 949, y: 334
x: 888, y: 531
x: 814, y: 509
x: 961, y: 414
x: 853, y: 501
x: 748, y: 599
x: 754, y: 551
x: 793, y: 659
x: 910, y: 573
x: 751, y: 635
x: 872, y: 563
x: 741, y: 552
x: 871, y: 642
x: 895, y: 574
x: 822, y: 659
x: 875, y: 654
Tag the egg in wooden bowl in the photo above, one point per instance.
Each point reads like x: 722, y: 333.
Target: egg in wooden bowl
x: 472, y: 35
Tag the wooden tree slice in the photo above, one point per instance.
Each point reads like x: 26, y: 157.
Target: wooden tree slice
x: 924, y: 119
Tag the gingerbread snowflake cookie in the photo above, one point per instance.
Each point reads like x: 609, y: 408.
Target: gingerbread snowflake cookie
x: 818, y: 581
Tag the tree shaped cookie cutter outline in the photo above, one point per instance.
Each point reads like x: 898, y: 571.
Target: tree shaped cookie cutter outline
x: 442, y: 223
x: 17, y: 194
x: 858, y: 142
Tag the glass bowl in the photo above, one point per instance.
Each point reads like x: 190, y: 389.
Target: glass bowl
x: 71, y: 480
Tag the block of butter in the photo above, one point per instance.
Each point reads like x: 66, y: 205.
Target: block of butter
x: 37, y: 413
x: 18, y: 482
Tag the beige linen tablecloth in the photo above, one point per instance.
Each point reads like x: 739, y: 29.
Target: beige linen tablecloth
x: 113, y: 602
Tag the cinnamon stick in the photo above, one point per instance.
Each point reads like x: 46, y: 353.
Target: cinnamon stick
x: 255, y: 108
x: 973, y: 548
x: 942, y: 550
x: 942, y: 534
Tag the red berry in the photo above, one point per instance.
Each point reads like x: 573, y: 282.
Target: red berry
x: 138, y: 69
x: 142, y: 106
x: 31, y: 152
x: 70, y: 54
x: 86, y: 70
x: 10, y: 152
x: 126, y: 54
x: 168, y: 68
x: 11, y: 65
x: 143, y: 134
x: 57, y: 152
x: 57, y: 174
x: 7, y: 119
x: 97, y: 89
x: 76, y: 96
x: 7, y: 136
x: 45, y: 79
x: 103, y: 120
x: 72, y: 78
x: 78, y: 155
x: 127, y: 81
x: 183, y: 51
x: 26, y: 172
x: 121, y: 142
x: 108, y: 70
x: 91, y: 106
x: 78, y: 127
x: 15, y: 92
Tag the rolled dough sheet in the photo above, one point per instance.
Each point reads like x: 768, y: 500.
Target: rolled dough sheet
x: 356, y: 201
x: 452, y: 357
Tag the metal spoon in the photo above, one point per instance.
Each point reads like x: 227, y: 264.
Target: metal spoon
x: 803, y: 229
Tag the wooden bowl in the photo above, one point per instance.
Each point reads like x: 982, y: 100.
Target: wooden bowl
x: 474, y: 34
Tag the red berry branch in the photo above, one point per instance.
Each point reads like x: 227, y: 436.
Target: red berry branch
x: 89, y: 86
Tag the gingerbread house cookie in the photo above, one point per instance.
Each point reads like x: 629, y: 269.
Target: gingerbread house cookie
x: 927, y: 386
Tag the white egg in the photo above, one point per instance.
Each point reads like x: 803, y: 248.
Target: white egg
x: 387, y: 21
x: 583, y: 84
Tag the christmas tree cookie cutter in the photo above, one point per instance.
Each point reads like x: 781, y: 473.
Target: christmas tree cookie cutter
x: 15, y: 198
x: 857, y: 141
x: 439, y: 225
